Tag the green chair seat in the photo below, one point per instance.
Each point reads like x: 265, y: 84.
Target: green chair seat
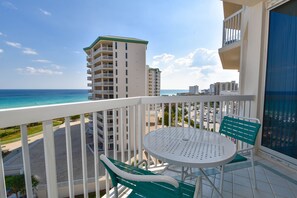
x: 238, y: 158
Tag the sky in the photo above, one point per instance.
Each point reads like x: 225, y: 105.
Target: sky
x: 41, y: 42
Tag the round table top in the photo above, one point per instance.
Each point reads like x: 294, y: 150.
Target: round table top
x: 189, y: 147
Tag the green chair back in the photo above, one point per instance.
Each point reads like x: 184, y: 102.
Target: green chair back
x: 243, y: 130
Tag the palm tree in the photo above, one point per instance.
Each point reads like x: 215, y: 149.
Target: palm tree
x: 16, y: 183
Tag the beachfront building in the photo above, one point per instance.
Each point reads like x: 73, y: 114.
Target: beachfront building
x: 154, y: 81
x: 116, y: 69
x: 218, y: 87
x: 259, y: 40
x: 194, y: 89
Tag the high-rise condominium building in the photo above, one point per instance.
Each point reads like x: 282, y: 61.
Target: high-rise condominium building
x: 154, y: 81
x: 194, y: 89
x: 117, y: 69
x: 224, y: 86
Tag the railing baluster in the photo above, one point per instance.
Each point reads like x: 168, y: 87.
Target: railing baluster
x: 105, y: 132
x: 26, y: 160
x: 208, y: 112
x: 2, y: 176
x: 149, y: 118
x: 96, y: 155
x: 189, y: 115
x: 163, y: 115
x: 156, y: 116
x: 69, y: 156
x: 201, y: 114
x: 169, y: 114
x: 84, y: 154
x: 128, y: 133
x: 50, y: 159
x: 114, y: 127
x: 134, y: 134
x: 221, y: 112
x: 214, y: 116
x: 176, y: 114
x: 121, y: 120
x: 140, y: 132
x: 183, y: 114
x: 195, y: 116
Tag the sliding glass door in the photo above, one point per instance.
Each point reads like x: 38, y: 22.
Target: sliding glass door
x: 280, y: 103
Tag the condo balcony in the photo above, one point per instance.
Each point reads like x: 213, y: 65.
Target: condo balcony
x: 88, y: 58
x: 103, y: 58
x: 231, y: 42
x: 89, y: 78
x: 103, y: 49
x: 103, y: 84
x: 104, y: 75
x: 89, y: 65
x: 66, y: 163
x: 103, y: 66
x: 89, y: 84
x: 89, y: 71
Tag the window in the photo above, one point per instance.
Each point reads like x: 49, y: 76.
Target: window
x: 126, y: 63
x: 126, y: 80
x: 116, y: 63
x: 116, y: 72
x: 116, y: 88
x: 116, y: 45
x: 126, y: 88
x: 117, y: 96
x: 116, y: 54
x: 126, y: 46
x: 116, y: 80
x: 126, y: 55
x: 126, y: 72
x: 126, y: 95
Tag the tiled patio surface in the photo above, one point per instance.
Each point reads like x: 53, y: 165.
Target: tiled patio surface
x: 273, y: 180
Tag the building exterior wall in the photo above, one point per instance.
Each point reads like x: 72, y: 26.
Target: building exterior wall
x: 253, y: 59
x: 154, y: 81
x: 194, y: 89
x: 117, y: 69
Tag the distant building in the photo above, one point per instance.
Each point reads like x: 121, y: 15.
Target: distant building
x: 117, y: 69
x: 154, y: 81
x: 194, y: 89
x: 225, y: 86
x: 211, y: 89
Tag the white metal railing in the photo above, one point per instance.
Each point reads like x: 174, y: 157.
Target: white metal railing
x: 103, y: 66
x: 132, y: 118
x: 232, y: 28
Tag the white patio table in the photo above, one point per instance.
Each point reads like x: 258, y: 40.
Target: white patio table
x: 189, y: 147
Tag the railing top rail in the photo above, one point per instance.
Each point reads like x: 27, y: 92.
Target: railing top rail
x: 24, y: 115
x: 232, y: 15
x: 175, y: 99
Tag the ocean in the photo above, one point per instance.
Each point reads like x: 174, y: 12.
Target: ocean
x: 12, y: 98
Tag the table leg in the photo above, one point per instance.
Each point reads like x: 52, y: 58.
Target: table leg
x: 206, y: 177
x: 198, y: 188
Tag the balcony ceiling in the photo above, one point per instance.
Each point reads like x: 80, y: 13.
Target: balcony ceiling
x: 230, y: 56
x: 244, y: 2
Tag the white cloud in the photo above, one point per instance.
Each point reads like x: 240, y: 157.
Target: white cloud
x: 1, y: 51
x: 9, y: 5
x: 45, y: 12
x: 201, y: 67
x: 14, y: 44
x: 2, y: 34
x: 55, y: 66
x: 29, y: 51
x: 38, y: 71
x: 41, y: 61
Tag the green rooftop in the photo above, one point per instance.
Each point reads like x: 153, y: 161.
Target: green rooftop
x: 116, y: 38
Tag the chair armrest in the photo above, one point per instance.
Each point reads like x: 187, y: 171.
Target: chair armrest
x: 139, y: 178
x: 247, y: 149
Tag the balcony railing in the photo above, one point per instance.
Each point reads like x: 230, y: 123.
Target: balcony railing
x: 103, y: 66
x: 136, y: 118
x: 232, y: 28
x: 103, y: 49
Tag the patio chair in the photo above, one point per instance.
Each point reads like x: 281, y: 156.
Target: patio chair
x: 144, y: 183
x: 243, y: 132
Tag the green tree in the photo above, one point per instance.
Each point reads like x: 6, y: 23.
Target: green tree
x: 16, y: 183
